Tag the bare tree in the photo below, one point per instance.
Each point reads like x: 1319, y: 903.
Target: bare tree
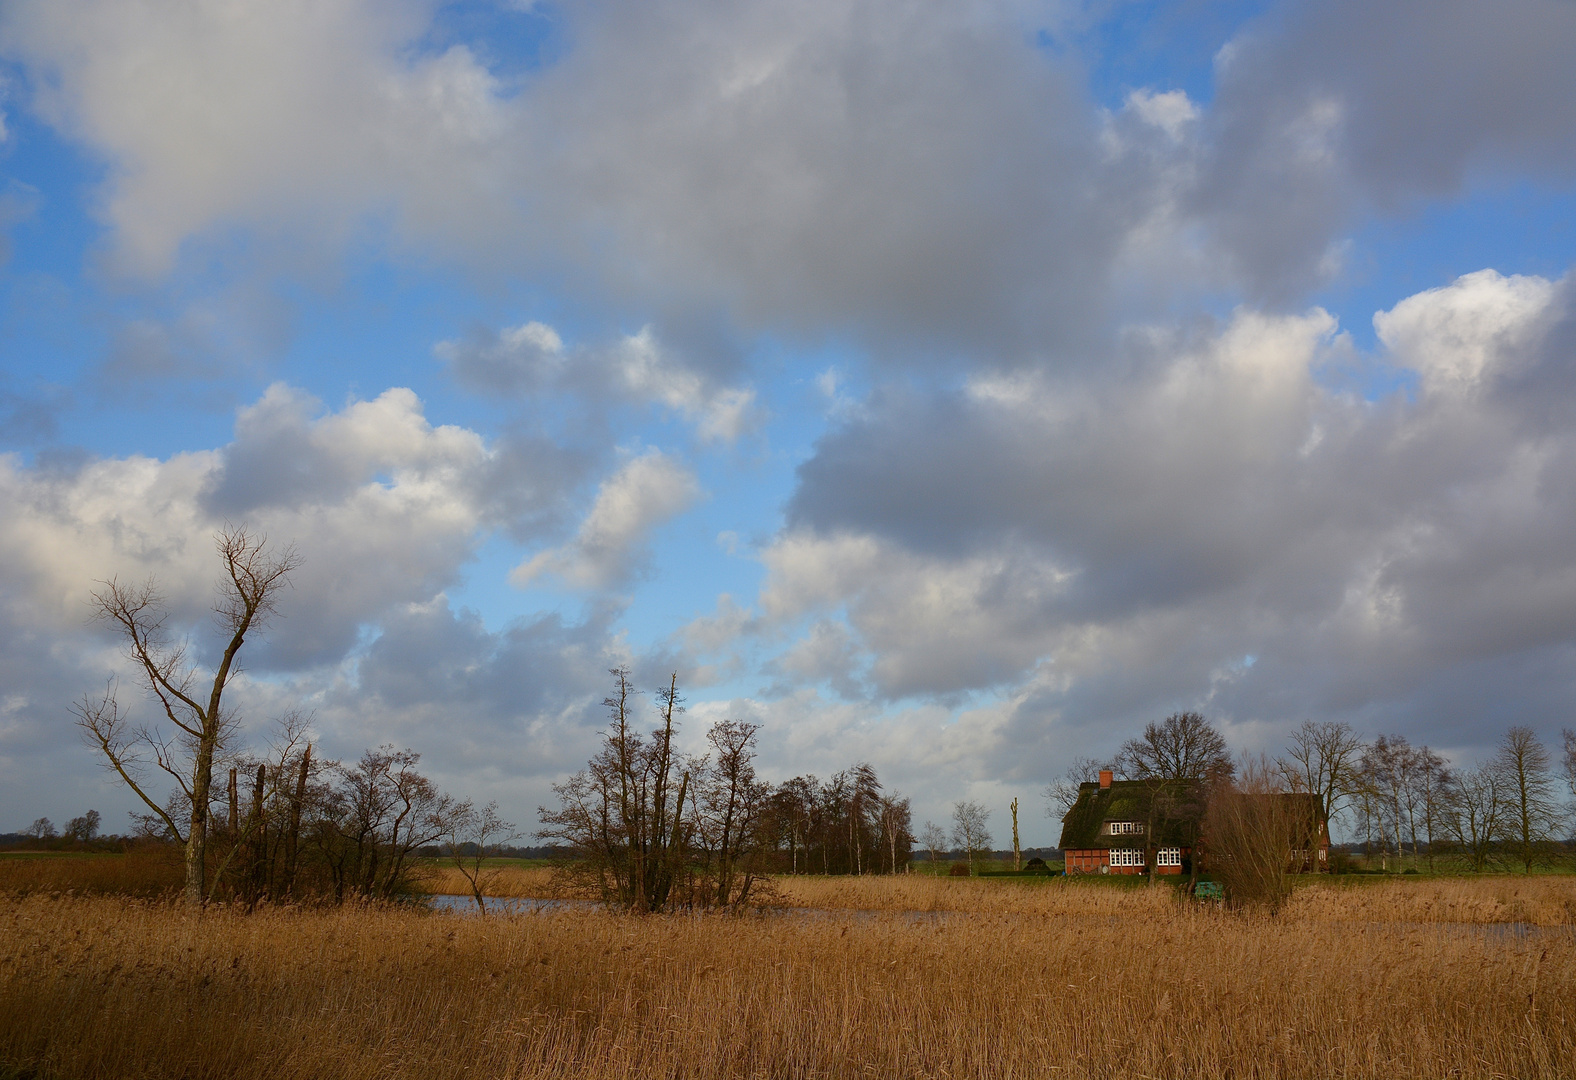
x: 1060, y: 795
x: 730, y: 803
x: 1184, y: 746
x: 375, y: 817
x: 897, y: 830
x: 968, y: 828
x: 934, y: 837
x: 472, y: 835
x: 1473, y: 814
x: 194, y: 726
x: 1260, y: 834
x: 1324, y: 758
x: 1532, y: 814
x: 621, y: 815
x: 41, y: 829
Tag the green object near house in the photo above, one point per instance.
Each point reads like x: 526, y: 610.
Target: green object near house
x: 1209, y: 890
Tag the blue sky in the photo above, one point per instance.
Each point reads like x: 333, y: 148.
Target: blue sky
x: 953, y: 387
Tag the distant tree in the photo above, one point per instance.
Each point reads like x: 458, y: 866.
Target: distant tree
x: 934, y: 838
x: 85, y: 828
x: 1324, y: 758
x: 1474, y: 810
x: 192, y: 702
x: 1532, y: 813
x: 897, y: 831
x: 1184, y: 746
x: 792, y: 812
x: 472, y: 836
x: 968, y: 828
x: 41, y: 829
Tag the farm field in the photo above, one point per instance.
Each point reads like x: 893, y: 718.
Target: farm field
x: 1404, y: 978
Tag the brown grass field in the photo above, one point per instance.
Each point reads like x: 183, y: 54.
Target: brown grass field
x: 1050, y: 979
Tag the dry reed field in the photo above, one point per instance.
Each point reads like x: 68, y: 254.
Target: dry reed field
x: 1096, y: 982
x: 148, y: 873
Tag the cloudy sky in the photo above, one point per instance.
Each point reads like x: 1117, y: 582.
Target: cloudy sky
x: 950, y: 385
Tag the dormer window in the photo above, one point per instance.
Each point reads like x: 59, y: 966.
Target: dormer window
x: 1124, y: 828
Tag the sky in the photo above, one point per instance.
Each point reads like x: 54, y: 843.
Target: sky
x: 955, y: 387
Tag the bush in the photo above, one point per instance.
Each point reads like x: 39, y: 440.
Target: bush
x: 959, y: 869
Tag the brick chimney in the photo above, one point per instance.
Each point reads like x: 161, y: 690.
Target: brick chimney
x: 1105, y: 779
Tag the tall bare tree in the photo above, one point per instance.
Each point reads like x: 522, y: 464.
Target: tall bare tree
x: 195, y: 724
x: 1324, y: 758
x: 729, y: 804
x: 1532, y: 814
x: 621, y: 814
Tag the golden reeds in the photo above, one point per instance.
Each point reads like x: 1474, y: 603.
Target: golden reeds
x: 1096, y: 982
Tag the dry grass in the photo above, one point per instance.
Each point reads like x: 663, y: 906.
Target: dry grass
x: 146, y: 873
x: 1534, y: 901
x: 1097, y: 982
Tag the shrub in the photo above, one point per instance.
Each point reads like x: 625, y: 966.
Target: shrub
x: 959, y: 869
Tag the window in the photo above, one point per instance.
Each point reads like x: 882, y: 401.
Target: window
x: 1168, y: 856
x: 1127, y: 857
x: 1124, y: 828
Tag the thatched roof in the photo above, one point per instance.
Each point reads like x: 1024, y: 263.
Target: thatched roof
x: 1174, y: 818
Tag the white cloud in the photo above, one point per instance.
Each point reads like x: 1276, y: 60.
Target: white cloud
x: 647, y: 492
x: 1459, y: 334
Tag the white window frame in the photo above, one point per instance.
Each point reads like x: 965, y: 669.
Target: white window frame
x: 1124, y: 828
x: 1127, y: 856
x: 1168, y: 856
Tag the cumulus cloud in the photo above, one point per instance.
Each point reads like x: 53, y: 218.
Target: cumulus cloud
x: 1219, y: 529
x: 646, y: 492
x: 1459, y: 334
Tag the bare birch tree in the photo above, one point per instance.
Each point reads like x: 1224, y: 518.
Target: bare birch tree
x: 194, y: 726
x: 968, y: 828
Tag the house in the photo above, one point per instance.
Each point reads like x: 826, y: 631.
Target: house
x: 1116, y: 825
